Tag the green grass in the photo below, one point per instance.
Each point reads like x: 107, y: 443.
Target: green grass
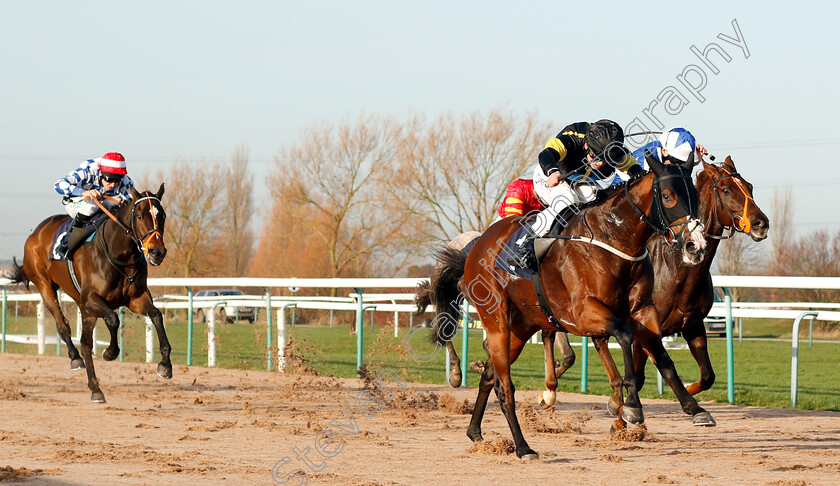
x: 762, y: 368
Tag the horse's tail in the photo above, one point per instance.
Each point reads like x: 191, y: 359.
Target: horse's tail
x: 442, y: 291
x: 18, y: 275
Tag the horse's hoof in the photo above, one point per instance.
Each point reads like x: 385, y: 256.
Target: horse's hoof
x: 97, y: 397
x: 164, y: 371
x: 475, y: 436
x: 529, y: 456
x: 613, y: 407
x: 109, y: 355
x: 703, y: 419
x: 455, y: 378
x: 77, y: 364
x: 633, y: 415
x: 477, y: 367
x: 549, y: 402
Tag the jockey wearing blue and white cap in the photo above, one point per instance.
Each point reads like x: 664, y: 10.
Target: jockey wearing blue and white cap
x: 675, y: 146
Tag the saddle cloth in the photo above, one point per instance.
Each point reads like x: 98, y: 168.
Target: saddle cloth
x: 60, y: 238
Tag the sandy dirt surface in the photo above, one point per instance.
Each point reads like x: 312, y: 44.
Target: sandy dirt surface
x: 208, y: 426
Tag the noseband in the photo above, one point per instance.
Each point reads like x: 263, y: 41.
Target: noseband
x: 742, y: 222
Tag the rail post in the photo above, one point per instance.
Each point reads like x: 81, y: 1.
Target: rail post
x: 360, y: 317
x: 465, y: 344
x: 281, y: 336
x: 269, y: 336
x: 189, y: 325
x: 150, y: 340
x: 730, y: 351
x: 42, y: 318
x: 3, y: 340
x: 584, y: 363
x: 122, y: 323
x: 794, y: 359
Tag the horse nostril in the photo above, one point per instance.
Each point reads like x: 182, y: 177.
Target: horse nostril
x: 691, y: 247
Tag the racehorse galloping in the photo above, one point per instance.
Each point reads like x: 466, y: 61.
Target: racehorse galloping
x: 683, y: 295
x: 588, y: 288
x: 111, y: 271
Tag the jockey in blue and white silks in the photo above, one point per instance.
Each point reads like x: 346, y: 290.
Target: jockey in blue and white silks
x: 674, y: 146
x: 104, y: 176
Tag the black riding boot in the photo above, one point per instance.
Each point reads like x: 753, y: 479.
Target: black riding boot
x: 525, y: 256
x: 78, y: 234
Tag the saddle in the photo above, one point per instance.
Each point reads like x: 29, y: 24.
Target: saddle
x: 60, y: 238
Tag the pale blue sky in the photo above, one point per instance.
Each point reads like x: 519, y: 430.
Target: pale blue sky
x: 159, y: 80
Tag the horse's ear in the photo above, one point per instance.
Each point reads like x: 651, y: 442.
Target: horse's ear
x: 707, y: 166
x: 134, y: 194
x: 729, y: 164
x: 656, y: 166
x: 160, y: 191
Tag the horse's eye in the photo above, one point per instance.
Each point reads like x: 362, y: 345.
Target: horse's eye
x: 725, y: 190
x: 139, y: 216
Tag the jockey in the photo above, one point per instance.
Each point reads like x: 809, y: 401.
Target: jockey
x: 674, y: 146
x: 520, y: 198
x: 575, y: 165
x: 93, y: 179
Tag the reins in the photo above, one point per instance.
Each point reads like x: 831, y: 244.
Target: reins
x: 139, y: 243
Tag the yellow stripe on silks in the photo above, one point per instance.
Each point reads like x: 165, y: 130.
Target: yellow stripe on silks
x: 513, y: 211
x: 627, y: 162
x: 574, y: 134
x: 557, y: 145
x: 513, y: 200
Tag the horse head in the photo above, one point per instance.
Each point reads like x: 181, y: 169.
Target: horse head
x: 734, y: 206
x: 673, y: 209
x: 147, y: 223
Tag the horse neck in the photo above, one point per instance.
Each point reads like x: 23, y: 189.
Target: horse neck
x: 620, y: 222
x: 118, y: 241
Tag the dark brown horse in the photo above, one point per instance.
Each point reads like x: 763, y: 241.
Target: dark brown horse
x: 588, y: 287
x: 683, y: 295
x: 112, y: 273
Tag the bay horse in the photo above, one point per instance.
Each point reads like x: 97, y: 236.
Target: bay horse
x: 111, y: 271
x: 589, y: 288
x: 683, y: 295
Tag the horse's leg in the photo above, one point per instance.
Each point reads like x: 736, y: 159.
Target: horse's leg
x: 88, y: 323
x: 695, y: 335
x: 143, y: 305
x: 562, y: 342
x: 596, y: 315
x: 614, y: 376
x: 488, y: 378
x: 549, y: 396
x: 454, y: 365
x: 651, y: 342
x: 62, y: 326
x: 98, y: 307
x: 504, y: 348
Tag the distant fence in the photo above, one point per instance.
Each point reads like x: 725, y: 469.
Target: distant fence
x: 361, y: 301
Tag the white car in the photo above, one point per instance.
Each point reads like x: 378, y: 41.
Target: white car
x: 224, y: 313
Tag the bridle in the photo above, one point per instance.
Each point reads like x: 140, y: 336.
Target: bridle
x: 659, y: 218
x: 742, y: 221
x: 141, y: 243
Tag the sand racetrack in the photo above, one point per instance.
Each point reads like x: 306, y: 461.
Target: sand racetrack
x: 208, y: 426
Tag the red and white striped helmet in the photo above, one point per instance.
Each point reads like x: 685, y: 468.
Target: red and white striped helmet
x: 113, y: 163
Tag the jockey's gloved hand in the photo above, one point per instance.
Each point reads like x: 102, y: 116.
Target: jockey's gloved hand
x: 635, y: 169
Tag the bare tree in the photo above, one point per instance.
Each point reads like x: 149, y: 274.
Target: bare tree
x: 453, y: 173
x: 237, y: 235
x: 334, y: 174
x: 192, y: 200
x: 781, y: 208
x: 739, y: 255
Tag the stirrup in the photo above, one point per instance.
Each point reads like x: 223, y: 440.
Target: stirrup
x: 524, y: 258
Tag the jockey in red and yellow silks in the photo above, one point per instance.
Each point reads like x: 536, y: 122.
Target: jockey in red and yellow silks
x: 519, y: 199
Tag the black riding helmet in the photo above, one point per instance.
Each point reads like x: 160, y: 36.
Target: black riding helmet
x: 605, y: 139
